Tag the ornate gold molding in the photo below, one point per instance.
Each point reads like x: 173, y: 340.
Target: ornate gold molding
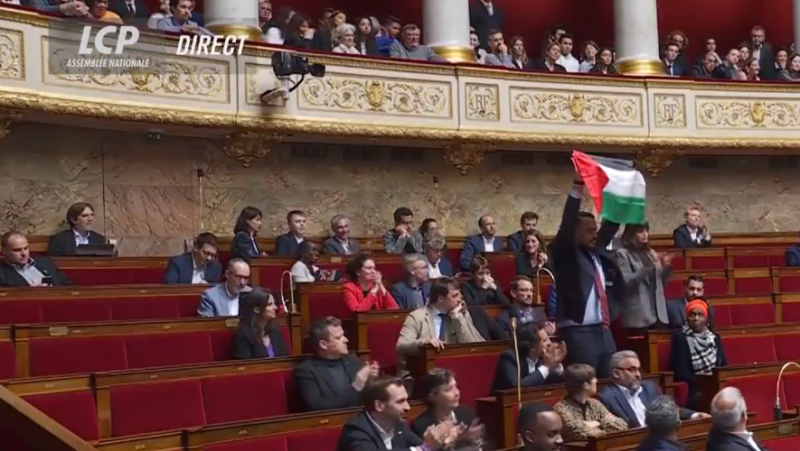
x: 748, y: 114
x: 6, y: 119
x: 670, y: 110
x: 567, y: 107
x: 248, y: 147
x: 656, y: 161
x: 465, y: 156
x: 12, y: 54
x: 483, y: 102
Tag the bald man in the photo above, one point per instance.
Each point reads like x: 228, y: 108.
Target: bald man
x: 223, y: 299
x: 18, y: 269
x: 486, y: 241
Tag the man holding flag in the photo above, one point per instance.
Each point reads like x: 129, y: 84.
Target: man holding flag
x: 588, y: 280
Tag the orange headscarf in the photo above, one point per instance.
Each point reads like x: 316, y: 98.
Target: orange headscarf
x: 697, y: 304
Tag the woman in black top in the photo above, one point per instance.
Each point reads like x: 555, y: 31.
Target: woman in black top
x: 482, y: 289
x: 532, y: 256
x: 295, y: 35
x: 256, y: 337
x: 441, y: 394
x: 548, y: 62
x: 365, y: 37
x: 244, y: 243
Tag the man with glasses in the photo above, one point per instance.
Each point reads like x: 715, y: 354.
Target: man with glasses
x: 415, y: 290
x: 223, y: 299
x: 199, y: 266
x: 628, y: 396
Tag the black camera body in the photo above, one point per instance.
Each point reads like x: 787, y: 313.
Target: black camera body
x: 286, y: 64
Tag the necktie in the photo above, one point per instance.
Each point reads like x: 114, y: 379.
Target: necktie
x: 600, y: 290
x: 131, y: 9
x: 443, y: 328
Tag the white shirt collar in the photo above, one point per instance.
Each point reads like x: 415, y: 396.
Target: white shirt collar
x: 385, y: 435
x: 628, y: 394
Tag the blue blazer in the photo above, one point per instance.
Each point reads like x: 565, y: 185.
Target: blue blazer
x: 214, y: 302
x: 180, y: 268
x: 616, y: 403
x: 793, y: 256
x: 514, y: 241
x: 403, y: 294
x: 474, y: 245
x: 286, y: 246
x: 445, y: 267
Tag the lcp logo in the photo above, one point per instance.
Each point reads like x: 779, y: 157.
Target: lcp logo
x: 128, y: 35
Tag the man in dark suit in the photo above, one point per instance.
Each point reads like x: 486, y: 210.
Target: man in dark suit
x: 486, y: 241
x: 663, y: 421
x: 705, y: 68
x: 129, y: 10
x: 522, y: 307
x: 792, y: 256
x: 527, y: 223
x: 332, y: 378
x: 18, y: 269
x: 540, y: 358
x: 589, y: 284
x: 485, y: 16
x: 341, y: 243
x: 198, y: 266
x: 288, y: 244
x: 671, y: 65
x: 383, y: 424
x: 693, y: 233
x: 729, y: 432
x: 80, y: 217
x: 539, y: 427
x: 415, y: 290
x: 762, y: 51
x: 436, y: 254
x: 728, y: 69
x: 694, y: 288
x: 628, y: 397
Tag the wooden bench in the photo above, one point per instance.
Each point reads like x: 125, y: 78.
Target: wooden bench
x: 8, y: 365
x: 631, y: 438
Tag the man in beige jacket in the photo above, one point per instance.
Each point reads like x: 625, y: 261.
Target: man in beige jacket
x: 445, y: 320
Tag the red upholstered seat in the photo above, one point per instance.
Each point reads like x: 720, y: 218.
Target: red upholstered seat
x: 751, y: 261
x: 791, y: 389
x: 75, y: 410
x: 722, y: 316
x: 12, y: 439
x: 474, y: 374
x: 76, y: 310
x: 68, y: 355
x: 321, y: 305
x: 138, y: 308
x: 681, y: 393
x: 8, y: 366
x: 759, y: 392
x: 244, y: 397
x: 714, y: 286
x: 271, y: 443
x: 166, y: 349
x: 791, y: 312
x: 673, y: 288
x: 749, y: 350
x: 503, y: 270
x: 222, y: 344
x: 156, y: 406
x: 678, y: 263
x: 787, y: 347
x: 753, y: 285
x: 322, y: 439
x: 790, y: 443
x: 715, y: 263
x: 752, y: 314
x: 269, y: 276
x: 392, y: 272
x: 20, y: 312
x: 147, y: 275
x: 789, y: 284
x: 663, y: 356
x: 382, y: 340
x: 187, y: 305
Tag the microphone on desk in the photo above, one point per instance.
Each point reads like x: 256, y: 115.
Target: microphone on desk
x: 436, y: 192
x: 516, y: 357
x: 291, y: 293
x: 778, y: 411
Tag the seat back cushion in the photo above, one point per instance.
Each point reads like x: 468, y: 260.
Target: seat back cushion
x: 156, y: 406
x: 75, y: 410
x: 244, y: 397
x: 167, y: 349
x: 68, y: 355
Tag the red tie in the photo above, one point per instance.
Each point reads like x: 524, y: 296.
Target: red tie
x: 600, y: 290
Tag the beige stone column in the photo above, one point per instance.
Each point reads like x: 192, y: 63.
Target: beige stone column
x: 445, y: 25
x: 636, y: 36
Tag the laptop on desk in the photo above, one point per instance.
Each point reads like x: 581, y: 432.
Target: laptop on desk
x: 95, y: 250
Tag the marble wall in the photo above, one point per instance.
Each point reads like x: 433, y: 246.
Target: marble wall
x: 148, y: 196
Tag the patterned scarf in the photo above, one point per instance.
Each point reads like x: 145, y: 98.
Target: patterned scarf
x: 703, y: 349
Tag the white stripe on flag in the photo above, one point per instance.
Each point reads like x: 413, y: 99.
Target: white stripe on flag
x: 624, y: 183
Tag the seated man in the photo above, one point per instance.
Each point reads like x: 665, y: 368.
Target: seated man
x: 729, y: 431
x: 288, y: 244
x: 180, y: 21
x: 198, y: 266
x: 582, y: 415
x: 403, y: 238
x: 522, y: 307
x: 541, y: 360
x: 628, y: 397
x: 445, y: 320
x: 341, y: 243
x: 693, y: 288
x: 332, y: 378
x: 527, y: 223
x: 415, y: 290
x: 80, y: 217
x: 223, y: 299
x: 486, y: 241
x: 481, y: 289
x: 693, y: 233
x: 539, y: 427
x: 18, y: 269
x: 438, y: 265
x: 409, y: 47
x: 663, y: 421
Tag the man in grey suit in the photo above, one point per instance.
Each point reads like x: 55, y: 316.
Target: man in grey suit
x: 223, y: 299
x: 341, y: 243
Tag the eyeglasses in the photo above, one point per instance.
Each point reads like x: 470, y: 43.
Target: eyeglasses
x: 631, y: 369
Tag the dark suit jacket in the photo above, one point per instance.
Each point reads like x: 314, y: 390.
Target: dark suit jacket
x: 489, y: 329
x: 656, y: 443
x: 464, y: 415
x: 9, y: 277
x: 197, y: 17
x: 63, y: 243
x: 483, y: 23
x: 359, y: 434
x: 514, y: 241
x: 540, y: 65
x: 793, y: 256
x: 524, y: 266
x: 317, y: 392
x: 682, y: 239
x: 474, y: 246
x: 724, y: 441
x: 505, y: 373
x: 119, y: 7
x: 574, y: 269
x: 766, y: 60
x: 699, y: 71
x: 677, y: 68
x: 473, y: 295
x: 247, y: 347
x: 724, y: 72
x: 680, y: 360
x: 403, y: 295
x: 676, y: 313
x: 614, y: 400
x: 286, y: 246
x: 526, y: 65
x: 322, y: 39
x: 504, y: 319
x: 242, y: 246
x: 181, y: 267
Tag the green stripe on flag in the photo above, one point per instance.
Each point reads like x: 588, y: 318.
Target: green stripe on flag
x: 622, y: 209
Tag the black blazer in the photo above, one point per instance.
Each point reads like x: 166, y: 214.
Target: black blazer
x: 616, y: 403
x: 181, y: 267
x: 244, y: 247
x: 322, y: 39
x: 677, y: 68
x: 359, y: 434
x: 676, y: 313
x: 489, y: 329
x: 318, y: 392
x: 575, y: 271
x: 483, y: 23
x: 724, y: 441
x: 514, y: 241
x: 682, y: 239
x: 464, y: 415
x: 541, y: 66
x: 524, y: 266
x: 287, y: 246
x: 526, y: 65
x: 724, y: 72
x: 766, y: 60
x: 473, y: 295
x: 119, y: 7
x: 63, y: 243
x: 680, y: 359
x: 9, y: 277
x: 245, y: 346
x: 505, y: 373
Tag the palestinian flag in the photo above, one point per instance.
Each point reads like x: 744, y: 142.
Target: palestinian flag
x: 616, y: 187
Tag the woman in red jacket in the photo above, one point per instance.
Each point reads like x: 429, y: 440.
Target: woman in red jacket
x: 365, y: 290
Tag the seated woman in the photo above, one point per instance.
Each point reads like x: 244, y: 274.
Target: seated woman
x: 581, y: 414
x: 442, y: 398
x: 482, y: 289
x: 695, y: 349
x: 365, y: 290
x: 80, y: 217
x: 257, y: 337
x: 532, y: 256
x: 244, y: 243
x: 304, y: 270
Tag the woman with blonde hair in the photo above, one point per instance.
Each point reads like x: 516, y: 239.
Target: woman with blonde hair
x: 519, y: 57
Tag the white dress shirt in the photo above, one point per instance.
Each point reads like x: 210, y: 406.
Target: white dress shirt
x: 387, y: 436
x: 81, y: 239
x: 488, y: 245
x: 345, y: 245
x: 301, y: 273
x: 748, y: 437
x: 233, y: 303
x: 433, y: 270
x: 570, y: 63
x: 198, y: 274
x: 543, y: 370
x: 489, y: 7
x: 635, y: 402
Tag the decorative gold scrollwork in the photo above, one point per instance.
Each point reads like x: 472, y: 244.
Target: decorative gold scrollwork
x: 374, y: 96
x: 465, y: 156
x: 248, y: 147
x: 565, y: 108
x: 656, y: 161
